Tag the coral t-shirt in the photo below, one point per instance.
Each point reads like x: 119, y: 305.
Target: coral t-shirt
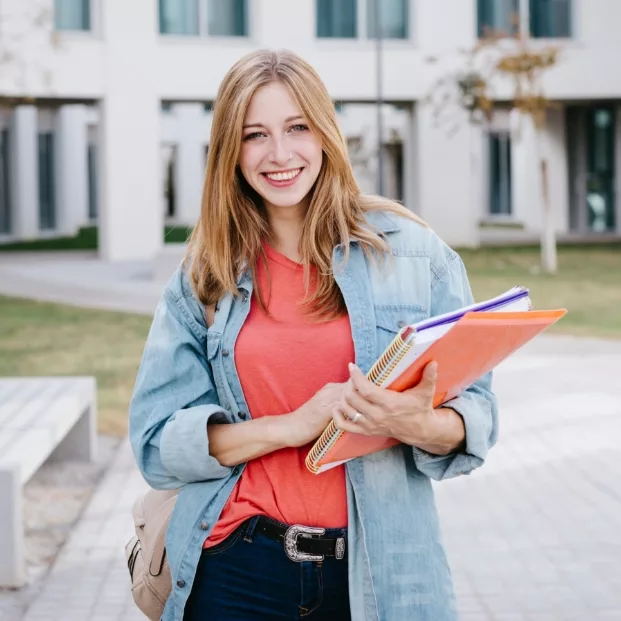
x: 282, y: 360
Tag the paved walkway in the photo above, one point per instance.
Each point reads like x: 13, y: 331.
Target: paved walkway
x: 534, y: 535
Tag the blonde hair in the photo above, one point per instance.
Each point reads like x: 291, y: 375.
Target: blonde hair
x: 232, y: 224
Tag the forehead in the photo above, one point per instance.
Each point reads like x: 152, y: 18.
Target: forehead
x: 272, y: 103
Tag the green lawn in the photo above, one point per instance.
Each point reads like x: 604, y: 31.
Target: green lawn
x: 588, y: 284
x: 50, y: 339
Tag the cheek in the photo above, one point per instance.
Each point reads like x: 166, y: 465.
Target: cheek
x: 313, y: 153
x: 248, y: 161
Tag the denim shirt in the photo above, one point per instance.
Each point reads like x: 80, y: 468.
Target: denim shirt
x: 187, y: 379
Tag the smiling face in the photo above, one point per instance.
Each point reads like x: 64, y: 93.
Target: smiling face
x: 280, y: 155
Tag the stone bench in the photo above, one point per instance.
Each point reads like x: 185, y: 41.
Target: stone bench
x: 40, y: 419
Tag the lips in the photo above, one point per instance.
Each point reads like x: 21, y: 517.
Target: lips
x: 284, y: 178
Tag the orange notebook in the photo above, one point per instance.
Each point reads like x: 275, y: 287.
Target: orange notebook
x: 472, y: 347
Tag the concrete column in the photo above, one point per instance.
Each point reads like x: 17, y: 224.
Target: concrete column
x: 190, y: 164
x: 131, y: 218
x: 525, y: 177
x: 71, y: 169
x: 445, y: 178
x: 24, y: 170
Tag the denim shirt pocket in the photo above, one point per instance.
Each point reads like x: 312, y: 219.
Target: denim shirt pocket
x: 390, y: 319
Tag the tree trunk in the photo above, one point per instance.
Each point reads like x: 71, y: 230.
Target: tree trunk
x: 549, y: 261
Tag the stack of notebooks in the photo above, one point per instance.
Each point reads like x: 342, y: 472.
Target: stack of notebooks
x: 466, y: 344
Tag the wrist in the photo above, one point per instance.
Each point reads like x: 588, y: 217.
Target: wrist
x: 279, y: 430
x: 449, y: 430
x: 443, y: 434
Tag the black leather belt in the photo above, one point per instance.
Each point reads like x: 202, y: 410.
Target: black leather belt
x: 302, y: 543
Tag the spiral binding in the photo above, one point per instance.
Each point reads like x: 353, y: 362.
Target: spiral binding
x: 379, y: 372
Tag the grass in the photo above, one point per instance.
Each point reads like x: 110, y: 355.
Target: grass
x: 39, y: 339
x: 51, y: 339
x: 86, y: 239
x: 588, y: 284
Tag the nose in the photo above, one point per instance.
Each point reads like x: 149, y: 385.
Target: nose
x: 280, y: 153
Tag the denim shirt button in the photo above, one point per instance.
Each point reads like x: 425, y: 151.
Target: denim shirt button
x: 180, y: 583
x: 225, y: 352
x: 401, y: 324
x: 204, y: 525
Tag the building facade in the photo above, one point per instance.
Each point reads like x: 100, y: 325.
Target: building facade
x: 106, y: 114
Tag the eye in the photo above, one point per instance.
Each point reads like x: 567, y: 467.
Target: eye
x: 253, y: 136
x: 299, y: 127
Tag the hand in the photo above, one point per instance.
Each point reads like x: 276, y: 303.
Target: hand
x: 408, y: 416
x: 308, y: 422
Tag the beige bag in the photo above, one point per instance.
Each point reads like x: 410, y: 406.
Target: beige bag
x: 146, y: 552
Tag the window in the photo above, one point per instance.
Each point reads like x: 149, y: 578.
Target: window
x: 169, y: 162
x: 227, y: 19
x: 5, y: 194
x: 550, y: 18
x: 72, y: 14
x: 179, y: 17
x: 498, y: 16
x: 393, y: 17
x: 47, y: 202
x: 93, y: 208
x: 216, y: 18
x: 500, y: 174
x: 337, y: 18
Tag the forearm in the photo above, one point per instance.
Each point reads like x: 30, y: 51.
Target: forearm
x: 238, y: 443
x: 448, y: 434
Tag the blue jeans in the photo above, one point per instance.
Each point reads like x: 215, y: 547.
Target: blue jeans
x: 248, y: 577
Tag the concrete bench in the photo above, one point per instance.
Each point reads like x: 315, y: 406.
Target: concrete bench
x: 40, y: 419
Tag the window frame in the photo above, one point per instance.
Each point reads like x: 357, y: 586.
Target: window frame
x: 94, y: 22
x: 362, y: 35
x: 203, y: 25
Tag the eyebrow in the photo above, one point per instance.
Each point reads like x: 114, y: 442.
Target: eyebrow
x: 287, y: 120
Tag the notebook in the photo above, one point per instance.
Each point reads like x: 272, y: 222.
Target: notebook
x: 466, y: 344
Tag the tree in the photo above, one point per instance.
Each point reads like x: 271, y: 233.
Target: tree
x: 511, y: 62
x: 26, y: 38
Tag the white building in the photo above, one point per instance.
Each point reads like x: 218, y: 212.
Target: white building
x: 119, y: 95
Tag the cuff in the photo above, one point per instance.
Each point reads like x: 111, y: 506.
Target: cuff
x: 184, y: 447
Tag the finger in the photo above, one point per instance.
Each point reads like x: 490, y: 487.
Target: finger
x: 430, y: 377
x: 353, y: 399
x: 365, y: 387
x: 346, y: 425
x: 351, y: 414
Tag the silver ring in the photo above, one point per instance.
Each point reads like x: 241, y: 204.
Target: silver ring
x: 356, y: 418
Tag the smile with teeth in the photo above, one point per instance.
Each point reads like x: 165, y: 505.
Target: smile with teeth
x: 284, y: 176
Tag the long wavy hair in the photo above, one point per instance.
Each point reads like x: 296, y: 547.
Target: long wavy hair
x: 229, y: 234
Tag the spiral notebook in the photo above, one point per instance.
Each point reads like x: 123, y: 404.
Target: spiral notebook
x: 466, y: 344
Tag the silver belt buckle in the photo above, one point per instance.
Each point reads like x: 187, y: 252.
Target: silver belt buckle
x: 291, y: 542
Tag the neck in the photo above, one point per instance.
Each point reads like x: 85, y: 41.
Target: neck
x: 285, y: 229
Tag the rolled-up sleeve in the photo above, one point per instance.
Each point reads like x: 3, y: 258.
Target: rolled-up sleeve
x: 174, y: 400
x: 477, y: 405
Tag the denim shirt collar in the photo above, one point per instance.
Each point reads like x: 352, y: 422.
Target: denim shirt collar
x: 378, y: 220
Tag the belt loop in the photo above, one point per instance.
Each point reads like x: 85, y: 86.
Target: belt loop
x: 252, y: 524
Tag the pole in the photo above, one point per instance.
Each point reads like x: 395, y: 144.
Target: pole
x: 379, y: 97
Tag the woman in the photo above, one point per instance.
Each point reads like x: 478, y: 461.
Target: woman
x: 292, y: 275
